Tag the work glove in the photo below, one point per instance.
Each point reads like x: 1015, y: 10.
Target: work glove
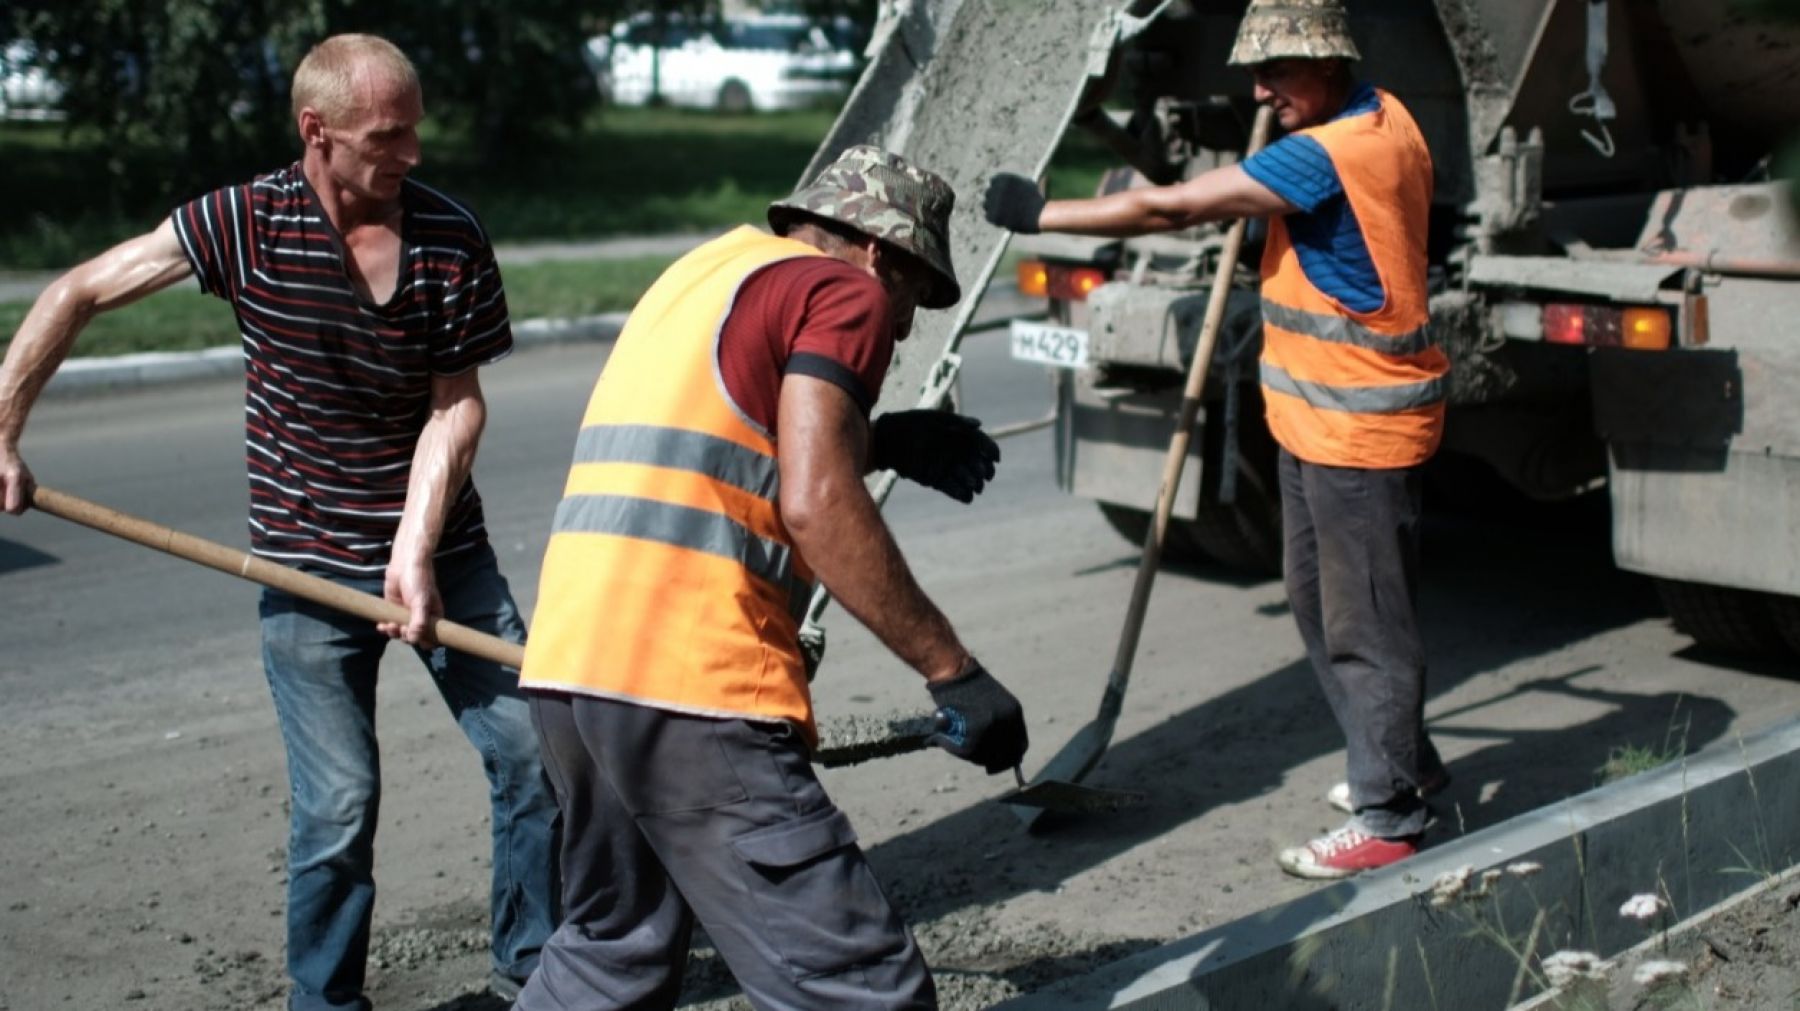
x: 1014, y: 202
x: 978, y: 720
x: 938, y: 449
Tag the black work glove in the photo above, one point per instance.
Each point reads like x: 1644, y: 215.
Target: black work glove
x: 978, y: 720
x: 938, y: 449
x: 1014, y: 202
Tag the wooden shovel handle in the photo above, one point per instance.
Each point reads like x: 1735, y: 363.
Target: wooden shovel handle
x: 245, y: 565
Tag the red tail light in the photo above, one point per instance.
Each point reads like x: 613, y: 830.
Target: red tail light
x: 1060, y: 281
x: 1645, y: 328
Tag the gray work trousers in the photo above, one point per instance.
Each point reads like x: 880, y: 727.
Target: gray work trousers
x: 669, y: 819
x: 1351, y: 561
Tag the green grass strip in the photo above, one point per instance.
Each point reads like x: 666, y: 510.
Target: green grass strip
x: 182, y: 319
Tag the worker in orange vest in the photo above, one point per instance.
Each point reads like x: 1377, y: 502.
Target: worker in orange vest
x: 1353, y: 385
x: 718, y: 474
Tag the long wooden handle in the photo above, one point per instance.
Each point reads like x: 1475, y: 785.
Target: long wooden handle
x: 245, y: 565
x: 1184, y: 427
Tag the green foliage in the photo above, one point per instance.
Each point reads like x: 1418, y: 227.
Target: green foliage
x: 191, y: 94
x: 1630, y: 759
x: 182, y: 319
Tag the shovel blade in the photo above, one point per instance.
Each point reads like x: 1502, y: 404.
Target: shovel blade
x: 1071, y: 798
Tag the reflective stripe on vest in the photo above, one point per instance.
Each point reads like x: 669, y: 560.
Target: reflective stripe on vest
x: 707, y: 455
x: 683, y: 526
x: 670, y: 580
x: 1343, y: 330
x: 1359, y: 389
x: 1357, y: 399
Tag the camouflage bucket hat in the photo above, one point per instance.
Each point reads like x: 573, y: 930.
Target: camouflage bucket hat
x: 879, y: 194
x: 1293, y: 29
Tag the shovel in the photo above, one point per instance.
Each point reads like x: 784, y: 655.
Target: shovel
x: 842, y: 742
x: 274, y: 575
x: 1060, y: 779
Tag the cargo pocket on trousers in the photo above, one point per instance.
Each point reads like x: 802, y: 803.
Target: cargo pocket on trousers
x: 821, y: 908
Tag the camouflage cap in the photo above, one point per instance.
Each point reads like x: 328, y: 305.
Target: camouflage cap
x: 880, y: 194
x: 1294, y: 29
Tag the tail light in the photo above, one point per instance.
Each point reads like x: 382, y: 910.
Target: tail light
x: 1067, y: 282
x: 1644, y: 328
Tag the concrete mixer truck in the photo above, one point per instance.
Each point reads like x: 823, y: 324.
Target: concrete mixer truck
x: 1613, y: 271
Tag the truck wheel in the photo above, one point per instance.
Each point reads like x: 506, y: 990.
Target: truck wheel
x: 1736, y: 621
x: 1234, y: 537
x: 1134, y: 526
x: 1785, y: 611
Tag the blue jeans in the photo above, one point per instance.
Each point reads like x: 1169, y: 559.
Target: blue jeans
x: 322, y: 668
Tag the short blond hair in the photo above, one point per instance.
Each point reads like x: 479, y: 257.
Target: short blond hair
x: 326, y: 79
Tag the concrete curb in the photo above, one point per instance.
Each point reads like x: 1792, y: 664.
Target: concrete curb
x: 80, y: 376
x: 1698, y: 831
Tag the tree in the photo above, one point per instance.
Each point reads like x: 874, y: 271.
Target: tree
x: 191, y: 94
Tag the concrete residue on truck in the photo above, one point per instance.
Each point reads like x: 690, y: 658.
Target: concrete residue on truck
x: 1613, y: 273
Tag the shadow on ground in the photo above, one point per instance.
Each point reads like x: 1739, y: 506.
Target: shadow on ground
x: 1494, y: 594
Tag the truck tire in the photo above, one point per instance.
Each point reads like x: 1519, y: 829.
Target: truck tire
x: 1134, y: 524
x: 1724, y: 618
x: 1785, y: 611
x: 1245, y: 535
x: 1223, y: 534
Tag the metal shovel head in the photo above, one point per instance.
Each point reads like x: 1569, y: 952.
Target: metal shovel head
x: 1071, y: 798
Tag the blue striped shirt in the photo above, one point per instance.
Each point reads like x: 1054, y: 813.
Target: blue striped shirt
x: 1327, y: 238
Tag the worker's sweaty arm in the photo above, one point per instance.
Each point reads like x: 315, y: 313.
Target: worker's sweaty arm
x: 839, y: 530
x: 1223, y: 194
x: 119, y: 276
x: 440, y: 467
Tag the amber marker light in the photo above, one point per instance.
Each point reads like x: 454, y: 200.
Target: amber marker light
x: 1034, y: 279
x: 1646, y: 329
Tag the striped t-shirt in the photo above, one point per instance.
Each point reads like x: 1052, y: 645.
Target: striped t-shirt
x: 337, y: 389
x: 1327, y: 237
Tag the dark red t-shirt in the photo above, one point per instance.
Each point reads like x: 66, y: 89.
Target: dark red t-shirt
x: 813, y: 316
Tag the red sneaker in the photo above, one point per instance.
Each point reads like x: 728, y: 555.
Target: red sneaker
x: 1345, y: 852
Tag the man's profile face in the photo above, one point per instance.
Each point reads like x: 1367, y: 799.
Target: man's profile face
x: 907, y: 284
x: 377, y: 144
x: 1300, y: 91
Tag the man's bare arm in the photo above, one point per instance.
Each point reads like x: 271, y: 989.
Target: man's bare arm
x: 441, y: 463
x: 1222, y: 194
x: 839, y: 530
x: 119, y: 276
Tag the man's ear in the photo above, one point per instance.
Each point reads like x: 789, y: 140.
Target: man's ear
x: 312, y: 128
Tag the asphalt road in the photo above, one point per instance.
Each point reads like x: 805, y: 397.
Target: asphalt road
x: 140, y: 771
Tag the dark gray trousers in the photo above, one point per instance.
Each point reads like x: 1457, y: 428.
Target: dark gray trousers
x: 1352, y: 565
x: 669, y: 819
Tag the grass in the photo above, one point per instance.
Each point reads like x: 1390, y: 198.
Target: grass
x: 628, y: 172
x: 1631, y: 759
x: 182, y: 319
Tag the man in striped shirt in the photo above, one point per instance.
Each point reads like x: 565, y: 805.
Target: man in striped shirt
x: 367, y: 302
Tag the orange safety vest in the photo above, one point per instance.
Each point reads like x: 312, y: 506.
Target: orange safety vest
x: 1359, y: 389
x: 670, y: 579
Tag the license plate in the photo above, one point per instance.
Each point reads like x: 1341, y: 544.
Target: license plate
x: 1061, y: 346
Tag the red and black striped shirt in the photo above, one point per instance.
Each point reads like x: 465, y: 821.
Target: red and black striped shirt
x: 338, y: 389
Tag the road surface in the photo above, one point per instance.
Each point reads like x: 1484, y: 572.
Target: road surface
x: 142, y: 782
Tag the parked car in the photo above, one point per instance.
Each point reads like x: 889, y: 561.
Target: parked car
x: 734, y: 64
x: 27, y: 89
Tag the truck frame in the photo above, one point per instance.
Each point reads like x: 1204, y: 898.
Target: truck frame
x: 1614, y: 275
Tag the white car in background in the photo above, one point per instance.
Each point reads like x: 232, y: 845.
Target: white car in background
x: 764, y: 62
x: 27, y: 91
